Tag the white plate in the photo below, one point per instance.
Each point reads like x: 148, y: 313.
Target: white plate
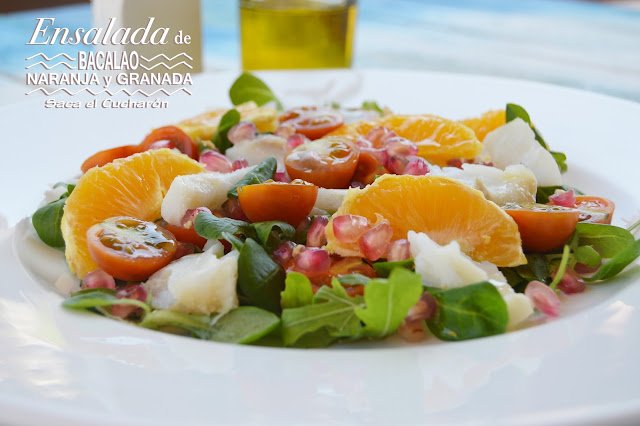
x: 59, y: 367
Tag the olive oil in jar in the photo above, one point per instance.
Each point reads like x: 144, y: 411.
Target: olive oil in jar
x: 293, y: 34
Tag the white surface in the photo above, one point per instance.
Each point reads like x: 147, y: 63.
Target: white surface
x: 59, y: 367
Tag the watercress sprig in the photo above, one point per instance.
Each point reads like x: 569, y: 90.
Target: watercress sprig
x: 249, y: 88
x: 48, y: 218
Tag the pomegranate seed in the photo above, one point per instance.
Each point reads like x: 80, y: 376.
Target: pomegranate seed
x: 284, y: 253
x: 296, y: 140
x: 231, y: 208
x: 183, y: 249
x: 456, y: 162
x: 571, y: 283
x: 375, y: 242
x: 98, y: 279
x: 363, y: 143
x: 239, y: 164
x: 398, y: 250
x: 285, y: 130
x: 417, y: 166
x: 400, y: 147
x: 396, y: 164
x: 380, y: 154
x: 312, y: 262
x: 543, y: 298
x: 348, y: 228
x: 355, y: 184
x: 132, y: 291
x: 563, y: 198
x: 316, y: 236
x: 424, y: 309
x: 215, y: 162
x: 190, y: 216
x: 281, y: 176
x: 243, y: 131
x: 377, y: 136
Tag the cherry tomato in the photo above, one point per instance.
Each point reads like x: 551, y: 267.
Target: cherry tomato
x: 544, y: 228
x: 313, y: 122
x: 368, y: 168
x: 170, y: 137
x: 288, y: 202
x: 595, y: 209
x: 130, y: 249
x: 328, y: 162
x: 101, y: 158
x: 184, y: 235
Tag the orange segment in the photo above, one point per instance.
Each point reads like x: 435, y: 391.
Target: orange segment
x: 443, y: 208
x: 439, y: 140
x: 203, y: 126
x: 486, y: 123
x: 132, y: 186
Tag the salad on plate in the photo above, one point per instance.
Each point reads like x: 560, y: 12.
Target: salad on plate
x: 323, y: 224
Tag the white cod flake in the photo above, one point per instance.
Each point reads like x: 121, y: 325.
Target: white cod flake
x: 515, y: 143
x: 197, y: 284
x: 258, y: 149
x: 447, y: 267
x: 198, y: 190
x: 328, y: 200
x: 515, y: 184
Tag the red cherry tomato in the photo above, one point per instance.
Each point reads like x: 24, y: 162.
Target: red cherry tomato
x: 313, y: 122
x: 328, y: 162
x: 170, y: 137
x: 130, y: 249
x: 368, y: 168
x: 101, y: 158
x: 544, y: 228
x: 595, y: 209
x: 288, y: 202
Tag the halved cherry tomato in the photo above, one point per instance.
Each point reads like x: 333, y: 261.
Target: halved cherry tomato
x: 544, y: 228
x: 130, y: 249
x: 101, y: 158
x: 170, y: 137
x: 185, y: 235
x: 595, y: 209
x: 313, y: 122
x: 288, y: 202
x: 368, y: 168
x: 328, y: 162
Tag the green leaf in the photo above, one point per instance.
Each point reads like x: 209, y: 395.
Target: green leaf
x: 587, y: 255
x: 212, y: 227
x: 615, y: 265
x: 264, y: 232
x: 388, y: 302
x: 236, y: 242
x: 476, y: 310
x: 561, y: 160
x: 333, y: 311
x: 244, y: 325
x: 197, y: 325
x: 372, y: 106
x: 514, y: 111
x: 259, y: 174
x: 383, y: 269
x: 353, y: 279
x: 260, y: 279
x: 47, y: 219
x: 297, y: 291
x: 227, y: 121
x: 248, y: 87
x: 607, y: 240
x: 539, y: 266
x: 99, y: 298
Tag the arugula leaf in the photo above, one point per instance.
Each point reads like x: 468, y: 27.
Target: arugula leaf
x: 514, y: 111
x: 196, y: 325
x: 260, y: 279
x: 227, y: 121
x: 388, y: 302
x: 47, y: 219
x: 244, y: 325
x: 353, y: 279
x: 297, y: 291
x: 587, y: 255
x: 248, y: 87
x: 260, y: 173
x: 383, y: 269
x: 332, y: 310
x: 476, y: 310
x: 372, y: 106
x: 607, y: 240
x: 265, y: 231
x: 212, y: 227
x: 616, y: 264
x: 98, y: 298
